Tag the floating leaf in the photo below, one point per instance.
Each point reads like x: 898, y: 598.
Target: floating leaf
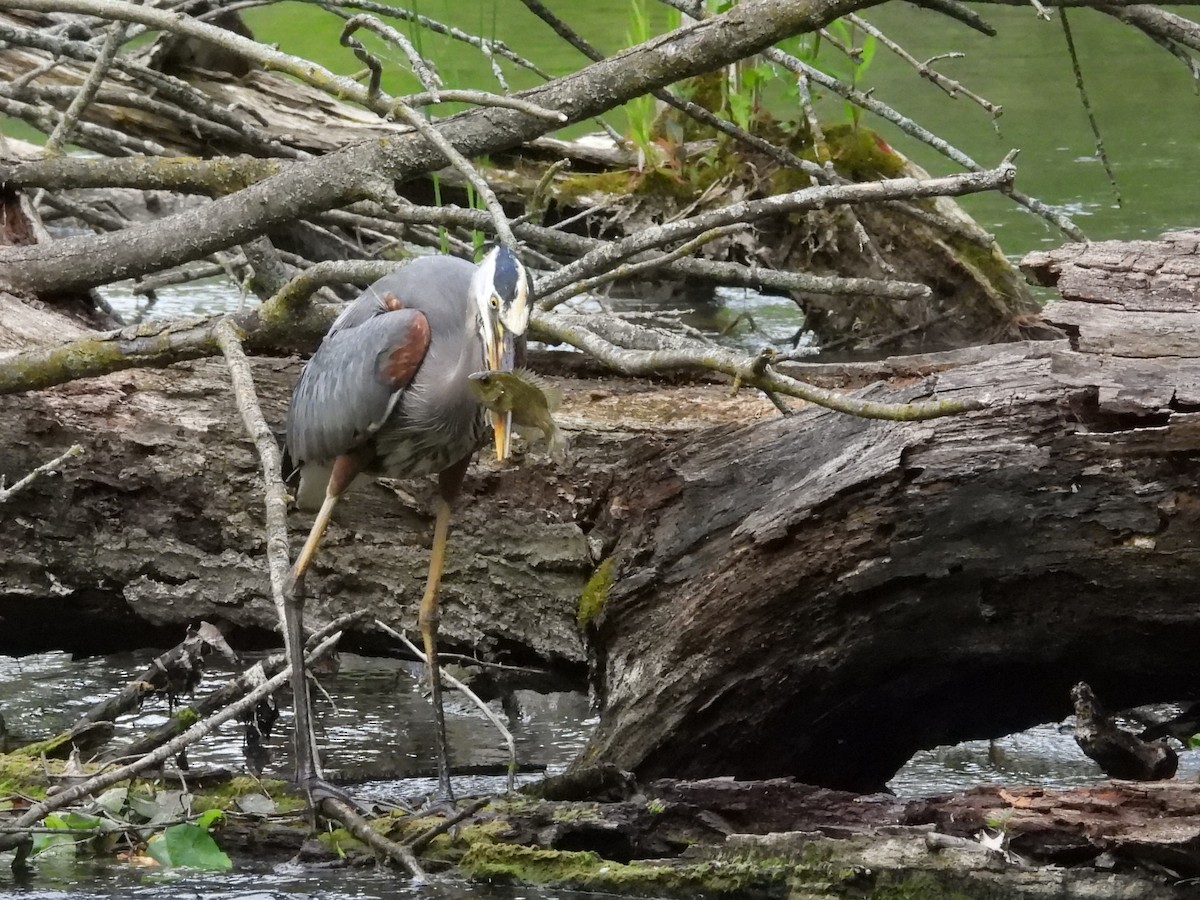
x: 81, y: 821
x: 164, y: 807
x: 54, y: 846
x: 188, y: 846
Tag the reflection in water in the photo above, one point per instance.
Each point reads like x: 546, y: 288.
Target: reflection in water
x: 375, y: 719
x: 87, y: 881
x: 1045, y: 755
x: 375, y: 722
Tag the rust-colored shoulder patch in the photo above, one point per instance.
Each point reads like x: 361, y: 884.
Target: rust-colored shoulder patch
x: 391, y: 302
x: 401, y: 362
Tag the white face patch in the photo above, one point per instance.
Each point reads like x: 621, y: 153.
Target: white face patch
x: 515, y: 314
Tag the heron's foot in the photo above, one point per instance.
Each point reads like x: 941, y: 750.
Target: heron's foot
x: 317, y: 789
x: 438, y: 805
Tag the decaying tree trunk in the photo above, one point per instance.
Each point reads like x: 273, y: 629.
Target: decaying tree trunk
x: 820, y: 596
x: 161, y: 524
x: 816, y: 595
x: 780, y: 839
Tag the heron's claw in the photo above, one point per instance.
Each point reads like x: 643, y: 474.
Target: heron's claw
x: 317, y: 789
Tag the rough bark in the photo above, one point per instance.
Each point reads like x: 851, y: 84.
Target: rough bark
x: 161, y: 524
x: 820, y: 596
x: 816, y: 595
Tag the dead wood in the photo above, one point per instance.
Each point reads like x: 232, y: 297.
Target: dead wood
x: 1118, y: 752
x: 791, y: 596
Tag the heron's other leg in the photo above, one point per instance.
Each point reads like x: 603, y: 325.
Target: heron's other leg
x: 449, y: 483
x: 308, y: 761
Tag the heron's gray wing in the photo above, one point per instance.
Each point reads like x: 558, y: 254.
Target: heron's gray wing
x: 352, y: 384
x: 377, y: 299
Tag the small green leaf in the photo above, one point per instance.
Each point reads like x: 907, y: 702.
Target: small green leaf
x: 79, y: 820
x: 868, y: 53
x: 208, y: 818
x: 113, y: 800
x: 54, y: 846
x: 739, y: 110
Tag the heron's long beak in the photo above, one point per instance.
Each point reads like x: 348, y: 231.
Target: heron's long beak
x: 502, y: 433
x: 501, y: 356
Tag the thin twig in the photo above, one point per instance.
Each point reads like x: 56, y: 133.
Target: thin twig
x: 628, y: 270
x: 421, y: 67
x: 925, y: 70
x: 819, y: 196
x: 578, y: 331
x: 71, y: 452
x: 463, y: 165
x: 110, y: 777
x: 361, y: 829
x: 274, y: 491
x: 1087, y: 104
x: 87, y: 91
x: 909, y: 127
x: 422, y: 840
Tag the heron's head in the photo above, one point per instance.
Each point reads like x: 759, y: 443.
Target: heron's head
x: 500, y: 291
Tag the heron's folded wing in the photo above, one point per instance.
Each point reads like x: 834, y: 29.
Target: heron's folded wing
x: 353, y: 382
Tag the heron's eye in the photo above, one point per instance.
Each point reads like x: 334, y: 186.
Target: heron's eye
x: 494, y: 303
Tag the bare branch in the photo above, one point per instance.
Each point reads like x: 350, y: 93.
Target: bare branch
x: 421, y: 67
x: 110, y: 777
x: 806, y: 198
x: 578, y: 332
x: 87, y: 92
x: 925, y: 70
x: 45, y: 468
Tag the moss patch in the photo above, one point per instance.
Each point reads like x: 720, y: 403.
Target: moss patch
x: 21, y: 774
x: 223, y: 795
x: 595, y: 592
x: 588, y: 871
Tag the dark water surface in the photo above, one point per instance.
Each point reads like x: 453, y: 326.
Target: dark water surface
x: 378, y: 721
x: 86, y: 881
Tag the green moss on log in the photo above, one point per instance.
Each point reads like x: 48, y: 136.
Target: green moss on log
x: 595, y: 592
x: 21, y: 774
x: 589, y: 871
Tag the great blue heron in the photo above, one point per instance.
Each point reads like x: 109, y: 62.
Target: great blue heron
x: 387, y: 392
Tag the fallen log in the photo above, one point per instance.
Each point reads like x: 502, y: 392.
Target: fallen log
x: 816, y: 595
x: 821, y: 596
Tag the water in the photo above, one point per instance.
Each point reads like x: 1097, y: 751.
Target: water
x: 374, y: 721
x: 377, y: 720
x: 99, y: 881
x: 374, y: 718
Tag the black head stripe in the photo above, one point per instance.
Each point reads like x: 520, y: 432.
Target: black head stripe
x: 507, y: 272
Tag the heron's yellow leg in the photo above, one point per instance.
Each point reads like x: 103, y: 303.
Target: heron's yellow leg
x: 308, y: 761
x: 428, y: 622
x: 309, y: 550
